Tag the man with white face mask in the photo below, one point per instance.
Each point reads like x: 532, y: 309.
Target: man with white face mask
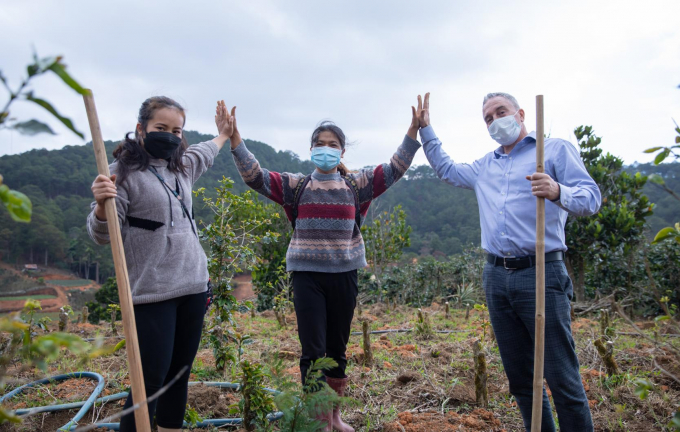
x: 506, y: 186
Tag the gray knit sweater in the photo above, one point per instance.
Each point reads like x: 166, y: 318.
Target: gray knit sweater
x: 326, y: 237
x: 163, y: 261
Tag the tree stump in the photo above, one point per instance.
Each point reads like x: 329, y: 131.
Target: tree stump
x: 605, y: 324
x: 605, y: 348
x: 368, y: 352
x: 280, y: 317
x: 252, y: 312
x: 63, y: 321
x: 481, y: 391
x: 447, y: 313
x: 84, y: 313
x: 467, y: 312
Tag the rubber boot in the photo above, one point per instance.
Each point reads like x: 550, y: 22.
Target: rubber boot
x: 327, y: 420
x: 339, y: 385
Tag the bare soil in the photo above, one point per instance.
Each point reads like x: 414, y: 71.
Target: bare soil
x: 414, y: 384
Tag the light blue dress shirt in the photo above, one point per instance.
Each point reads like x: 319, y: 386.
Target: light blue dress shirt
x: 507, y: 208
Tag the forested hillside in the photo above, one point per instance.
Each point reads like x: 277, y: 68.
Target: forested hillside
x: 444, y: 219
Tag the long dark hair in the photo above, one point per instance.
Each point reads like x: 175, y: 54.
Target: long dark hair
x: 130, y: 154
x: 329, y: 126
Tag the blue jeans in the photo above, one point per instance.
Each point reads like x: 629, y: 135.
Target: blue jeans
x: 511, y: 299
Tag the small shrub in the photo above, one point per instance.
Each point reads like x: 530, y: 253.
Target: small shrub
x: 300, y: 408
x: 423, y: 328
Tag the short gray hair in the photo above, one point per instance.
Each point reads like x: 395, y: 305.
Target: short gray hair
x: 509, y: 97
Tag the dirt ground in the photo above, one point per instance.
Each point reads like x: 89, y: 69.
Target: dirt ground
x: 244, y: 288
x: 416, y: 383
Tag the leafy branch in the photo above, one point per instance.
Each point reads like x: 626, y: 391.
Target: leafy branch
x: 664, y: 152
x: 19, y: 205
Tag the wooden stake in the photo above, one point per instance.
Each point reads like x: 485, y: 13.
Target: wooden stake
x: 368, y: 352
x: 129, y: 326
x: 481, y: 390
x: 539, y: 348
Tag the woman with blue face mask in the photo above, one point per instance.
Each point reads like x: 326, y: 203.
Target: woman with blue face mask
x: 326, y: 209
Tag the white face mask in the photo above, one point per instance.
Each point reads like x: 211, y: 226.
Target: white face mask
x: 505, y: 130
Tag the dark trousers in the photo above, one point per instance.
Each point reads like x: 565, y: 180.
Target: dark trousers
x: 169, y: 333
x: 324, y: 305
x: 511, y: 298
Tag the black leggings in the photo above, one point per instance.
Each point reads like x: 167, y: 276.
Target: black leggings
x: 324, y: 305
x: 169, y: 333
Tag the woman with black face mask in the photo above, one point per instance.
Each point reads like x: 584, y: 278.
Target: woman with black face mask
x: 152, y: 178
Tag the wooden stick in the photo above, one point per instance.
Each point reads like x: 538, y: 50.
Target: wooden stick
x: 539, y: 348
x: 129, y: 326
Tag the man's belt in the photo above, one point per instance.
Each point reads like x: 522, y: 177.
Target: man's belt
x: 516, y: 263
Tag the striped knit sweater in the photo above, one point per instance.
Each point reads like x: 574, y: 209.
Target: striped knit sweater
x: 326, y: 238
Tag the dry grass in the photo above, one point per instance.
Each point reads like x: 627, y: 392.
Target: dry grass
x: 414, y: 384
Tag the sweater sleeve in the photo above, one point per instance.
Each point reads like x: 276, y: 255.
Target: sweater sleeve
x: 278, y: 187
x: 200, y: 157
x: 373, y: 182
x: 98, y: 229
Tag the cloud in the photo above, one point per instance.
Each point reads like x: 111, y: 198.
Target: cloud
x: 288, y: 65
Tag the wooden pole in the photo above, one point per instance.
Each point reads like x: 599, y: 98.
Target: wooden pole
x: 129, y: 326
x: 539, y: 346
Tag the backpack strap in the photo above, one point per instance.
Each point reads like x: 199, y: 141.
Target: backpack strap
x: 352, y: 184
x: 296, y: 197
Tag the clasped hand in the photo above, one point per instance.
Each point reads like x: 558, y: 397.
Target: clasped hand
x: 543, y: 186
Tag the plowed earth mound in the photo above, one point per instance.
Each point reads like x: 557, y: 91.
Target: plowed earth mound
x: 477, y: 420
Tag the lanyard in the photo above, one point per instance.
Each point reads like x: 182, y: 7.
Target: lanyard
x: 177, y: 195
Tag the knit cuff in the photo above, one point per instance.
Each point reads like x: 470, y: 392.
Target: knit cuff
x: 410, y: 144
x: 98, y: 226
x: 241, y: 151
x: 213, y: 147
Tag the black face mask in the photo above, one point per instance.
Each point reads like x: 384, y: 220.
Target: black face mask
x: 161, y: 145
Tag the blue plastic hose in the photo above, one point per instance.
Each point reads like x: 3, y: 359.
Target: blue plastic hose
x: 86, y: 405
x: 92, y: 400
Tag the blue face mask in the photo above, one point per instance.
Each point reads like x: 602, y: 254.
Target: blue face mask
x: 326, y: 158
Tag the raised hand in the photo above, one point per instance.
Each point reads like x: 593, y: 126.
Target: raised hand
x: 415, y: 125
x: 235, y: 138
x: 423, y: 111
x: 224, y: 122
x: 420, y: 116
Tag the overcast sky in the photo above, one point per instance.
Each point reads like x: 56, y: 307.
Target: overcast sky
x: 289, y: 64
